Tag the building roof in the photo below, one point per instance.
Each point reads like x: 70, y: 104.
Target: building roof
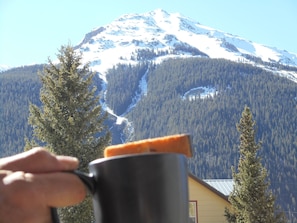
x: 225, y: 186
x: 213, y: 189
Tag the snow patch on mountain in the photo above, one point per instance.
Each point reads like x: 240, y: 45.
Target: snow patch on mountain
x: 199, y: 93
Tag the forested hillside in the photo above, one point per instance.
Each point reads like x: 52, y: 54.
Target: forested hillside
x: 18, y: 87
x: 163, y: 110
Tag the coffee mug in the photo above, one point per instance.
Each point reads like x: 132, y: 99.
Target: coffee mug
x: 142, y: 188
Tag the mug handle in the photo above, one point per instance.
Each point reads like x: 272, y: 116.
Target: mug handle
x: 87, y: 179
x: 90, y: 183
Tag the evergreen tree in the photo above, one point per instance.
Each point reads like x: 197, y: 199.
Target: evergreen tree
x: 70, y: 120
x: 251, y: 200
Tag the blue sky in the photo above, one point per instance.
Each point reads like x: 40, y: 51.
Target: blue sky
x: 33, y: 30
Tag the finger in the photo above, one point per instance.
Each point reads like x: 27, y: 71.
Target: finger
x: 38, y: 160
x: 59, y: 189
x: 4, y: 173
x: 43, y: 190
x: 19, y: 202
x: 21, y: 199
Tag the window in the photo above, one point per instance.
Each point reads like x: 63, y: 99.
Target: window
x: 193, y: 212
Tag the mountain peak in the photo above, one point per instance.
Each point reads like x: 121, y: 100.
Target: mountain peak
x: 171, y: 35
x: 159, y: 12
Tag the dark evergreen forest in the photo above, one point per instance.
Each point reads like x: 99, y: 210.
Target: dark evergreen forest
x: 18, y: 87
x: 211, y: 121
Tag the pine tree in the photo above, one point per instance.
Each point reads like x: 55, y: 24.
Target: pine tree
x: 251, y: 199
x: 70, y: 120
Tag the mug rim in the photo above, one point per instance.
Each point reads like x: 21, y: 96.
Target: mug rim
x: 100, y: 160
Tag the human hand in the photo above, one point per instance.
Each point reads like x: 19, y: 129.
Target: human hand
x: 33, y: 181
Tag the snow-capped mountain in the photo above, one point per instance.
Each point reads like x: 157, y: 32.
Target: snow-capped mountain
x: 173, y: 35
x: 158, y: 35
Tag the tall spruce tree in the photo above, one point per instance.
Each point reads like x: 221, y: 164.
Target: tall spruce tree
x: 251, y: 199
x: 70, y: 120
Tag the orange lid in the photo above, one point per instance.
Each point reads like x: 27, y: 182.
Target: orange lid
x: 180, y: 143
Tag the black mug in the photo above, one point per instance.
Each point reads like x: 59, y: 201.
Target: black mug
x: 142, y: 188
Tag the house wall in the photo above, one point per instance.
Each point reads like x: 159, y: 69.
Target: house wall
x: 210, y: 205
